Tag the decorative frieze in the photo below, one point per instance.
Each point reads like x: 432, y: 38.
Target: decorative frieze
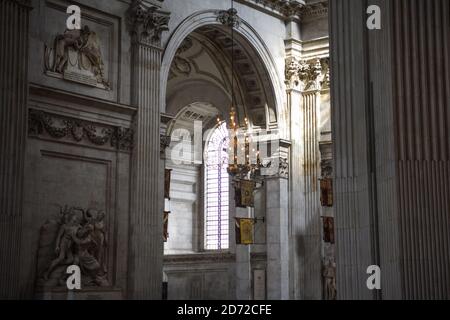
x: 146, y: 23
x: 59, y: 127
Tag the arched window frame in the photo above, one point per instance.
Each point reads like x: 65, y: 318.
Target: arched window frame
x: 216, y: 190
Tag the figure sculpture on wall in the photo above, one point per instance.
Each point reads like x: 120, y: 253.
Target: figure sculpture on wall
x: 76, y: 56
x: 79, y: 238
x: 329, y: 279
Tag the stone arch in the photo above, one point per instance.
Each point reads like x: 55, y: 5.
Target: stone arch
x: 249, y: 35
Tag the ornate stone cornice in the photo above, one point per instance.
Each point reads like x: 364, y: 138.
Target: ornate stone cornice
x: 145, y: 22
x: 287, y: 8
x: 293, y: 8
x: 58, y: 127
x: 229, y: 18
x: 314, y: 11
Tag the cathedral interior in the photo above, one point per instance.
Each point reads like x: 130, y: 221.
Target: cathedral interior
x: 225, y: 149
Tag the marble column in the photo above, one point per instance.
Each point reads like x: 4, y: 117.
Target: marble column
x: 277, y: 224
x: 297, y: 228
x: 14, y: 27
x: 310, y: 174
x: 146, y: 23
x: 303, y: 79
x: 390, y: 93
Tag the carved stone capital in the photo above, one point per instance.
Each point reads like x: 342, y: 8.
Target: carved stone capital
x: 325, y: 82
x: 283, y: 171
x: 308, y: 75
x: 146, y: 23
x: 229, y: 18
x: 292, y: 72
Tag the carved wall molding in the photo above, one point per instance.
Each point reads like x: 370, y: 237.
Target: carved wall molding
x: 146, y: 23
x: 229, y: 18
x: 199, y: 258
x: 59, y: 127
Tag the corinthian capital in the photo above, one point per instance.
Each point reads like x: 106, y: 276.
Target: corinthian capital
x: 292, y: 72
x: 145, y: 22
x: 309, y: 73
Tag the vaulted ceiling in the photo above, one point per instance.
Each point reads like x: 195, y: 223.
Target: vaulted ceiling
x: 202, y: 72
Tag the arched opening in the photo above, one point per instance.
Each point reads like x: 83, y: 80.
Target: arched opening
x: 212, y: 69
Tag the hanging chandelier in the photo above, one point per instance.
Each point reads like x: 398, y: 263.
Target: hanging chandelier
x: 244, y: 157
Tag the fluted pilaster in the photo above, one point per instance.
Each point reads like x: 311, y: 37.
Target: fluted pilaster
x: 145, y: 24
x: 422, y: 126
x: 390, y: 93
x: 304, y: 81
x: 14, y: 96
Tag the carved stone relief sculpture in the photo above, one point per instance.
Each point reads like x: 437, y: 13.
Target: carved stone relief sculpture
x: 180, y: 64
x: 74, y: 237
x: 76, y: 56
